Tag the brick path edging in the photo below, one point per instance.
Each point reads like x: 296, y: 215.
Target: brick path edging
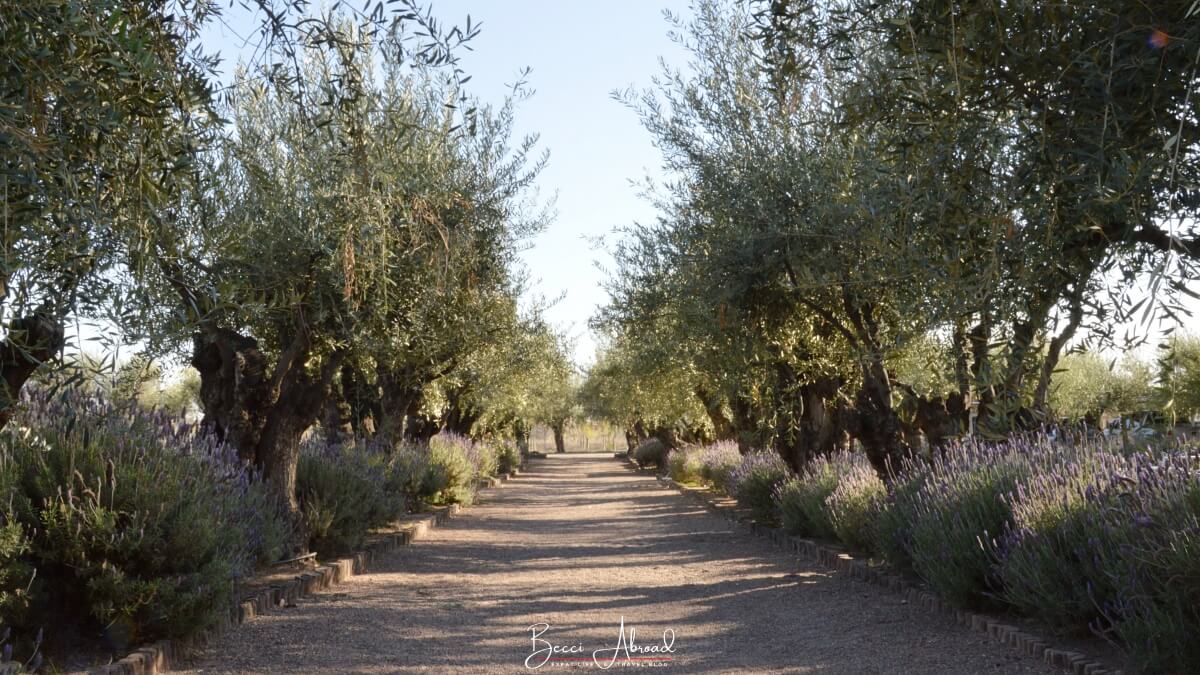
x: 859, y: 568
x: 162, y: 656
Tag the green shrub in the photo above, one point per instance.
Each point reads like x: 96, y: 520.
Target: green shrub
x: 755, y: 481
x: 131, y: 520
x: 651, y: 452
x: 486, y: 460
x: 407, y: 468
x: 508, y: 456
x: 453, y: 470
x: 15, y: 571
x: 683, y: 465
x: 344, y: 493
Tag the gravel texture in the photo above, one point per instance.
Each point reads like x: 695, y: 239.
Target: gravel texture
x: 578, y: 542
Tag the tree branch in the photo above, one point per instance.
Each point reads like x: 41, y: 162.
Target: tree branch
x: 825, y: 315
x: 1155, y: 237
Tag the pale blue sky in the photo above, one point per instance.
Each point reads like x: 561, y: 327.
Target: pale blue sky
x: 578, y: 53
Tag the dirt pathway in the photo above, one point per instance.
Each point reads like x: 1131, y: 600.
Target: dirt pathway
x: 577, y: 543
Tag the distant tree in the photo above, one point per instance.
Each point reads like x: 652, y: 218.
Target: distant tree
x: 1178, y: 371
x: 1086, y: 386
x: 644, y: 401
x: 178, y: 395
x: 1136, y: 390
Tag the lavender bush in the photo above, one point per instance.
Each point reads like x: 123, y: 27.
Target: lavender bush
x: 1053, y: 561
x: 960, y: 508
x: 854, y: 505
x: 1156, y: 569
x: 134, y: 521
x: 1077, y: 536
x: 1112, y: 540
x: 754, y: 482
x: 896, y: 513
x: 789, y: 500
x: 803, y: 501
x: 717, y: 462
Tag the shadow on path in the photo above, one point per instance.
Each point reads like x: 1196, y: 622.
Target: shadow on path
x: 578, y: 542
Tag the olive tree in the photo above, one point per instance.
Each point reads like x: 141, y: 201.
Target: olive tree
x: 804, y: 234
x: 302, y: 235
x: 104, y: 108
x: 1090, y: 110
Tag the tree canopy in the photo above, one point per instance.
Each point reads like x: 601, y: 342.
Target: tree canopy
x: 331, y: 238
x: 854, y: 185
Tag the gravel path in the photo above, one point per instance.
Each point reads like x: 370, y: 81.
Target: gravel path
x: 577, y: 543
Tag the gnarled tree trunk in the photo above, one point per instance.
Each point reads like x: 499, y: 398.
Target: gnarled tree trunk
x: 1054, y: 353
x: 363, y: 400
x: 745, y: 423
x: 418, y: 427
x: 262, y: 414
x: 940, y: 418
x: 32, y: 341
x: 874, y: 422
x: 460, y: 417
x: 559, y: 428
x: 234, y: 391
x: 337, y: 418
x: 723, y: 428
x: 822, y: 423
x: 521, y: 435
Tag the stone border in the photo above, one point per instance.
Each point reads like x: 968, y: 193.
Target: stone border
x: 162, y: 656
x: 860, y: 568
